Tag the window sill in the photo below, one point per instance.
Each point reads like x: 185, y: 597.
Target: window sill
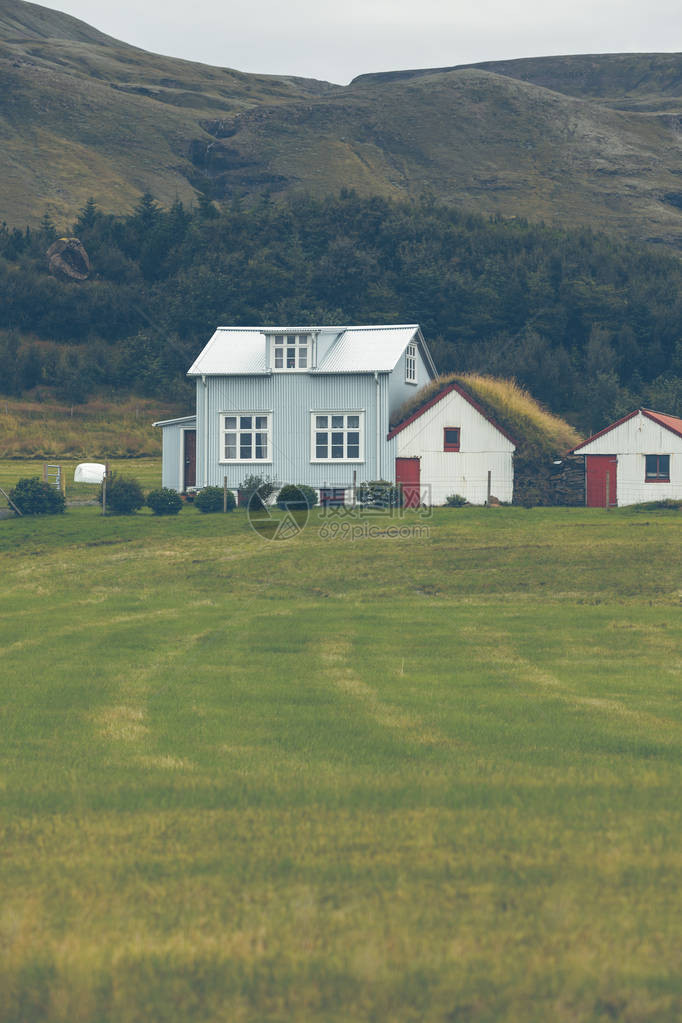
x: 337, y: 461
x: 245, y: 461
x: 658, y: 479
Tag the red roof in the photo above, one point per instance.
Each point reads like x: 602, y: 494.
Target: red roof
x: 671, y: 423
x: 436, y: 398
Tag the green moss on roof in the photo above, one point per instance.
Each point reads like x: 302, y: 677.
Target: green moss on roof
x: 533, y: 428
x: 538, y: 434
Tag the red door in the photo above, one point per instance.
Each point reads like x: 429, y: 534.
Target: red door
x: 189, y: 458
x: 601, y: 478
x: 407, y: 475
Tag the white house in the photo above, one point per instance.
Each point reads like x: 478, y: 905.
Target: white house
x: 314, y: 405
x: 450, y: 446
x: 634, y: 460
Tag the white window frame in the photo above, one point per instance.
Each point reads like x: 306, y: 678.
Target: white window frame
x: 239, y: 430
x: 411, y: 363
x: 293, y: 351
x: 329, y: 429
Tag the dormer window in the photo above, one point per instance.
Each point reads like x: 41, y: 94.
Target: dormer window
x: 291, y: 351
x: 411, y: 364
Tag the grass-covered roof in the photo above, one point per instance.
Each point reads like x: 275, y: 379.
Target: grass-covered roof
x: 539, y: 435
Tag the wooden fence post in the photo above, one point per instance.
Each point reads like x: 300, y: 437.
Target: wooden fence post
x: 225, y: 493
x: 490, y: 486
x: 104, y: 489
x: 608, y: 491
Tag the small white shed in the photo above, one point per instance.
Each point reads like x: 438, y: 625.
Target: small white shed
x: 451, y: 446
x: 634, y: 460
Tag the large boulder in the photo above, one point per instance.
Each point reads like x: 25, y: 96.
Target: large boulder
x: 68, y: 259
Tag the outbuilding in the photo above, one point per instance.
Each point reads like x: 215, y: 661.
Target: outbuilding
x: 451, y: 446
x: 634, y: 460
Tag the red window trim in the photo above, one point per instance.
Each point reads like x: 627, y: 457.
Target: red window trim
x: 657, y: 478
x: 450, y: 446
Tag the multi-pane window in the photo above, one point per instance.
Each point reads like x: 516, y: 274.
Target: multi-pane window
x: 451, y: 438
x: 657, y: 469
x: 291, y: 351
x: 411, y: 364
x: 246, y: 437
x: 337, y: 437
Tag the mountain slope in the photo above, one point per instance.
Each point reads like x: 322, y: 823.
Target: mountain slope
x: 83, y: 114
x: 594, y: 140
x: 630, y: 81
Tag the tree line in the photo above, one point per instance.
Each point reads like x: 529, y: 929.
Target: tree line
x: 592, y: 326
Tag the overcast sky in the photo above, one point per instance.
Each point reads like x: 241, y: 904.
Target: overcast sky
x: 337, y: 41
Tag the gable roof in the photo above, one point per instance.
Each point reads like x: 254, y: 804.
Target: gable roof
x: 671, y: 423
x: 363, y: 349
x: 438, y: 397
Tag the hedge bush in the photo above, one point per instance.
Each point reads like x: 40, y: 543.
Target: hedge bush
x: 455, y: 501
x: 210, y: 499
x: 164, y: 501
x: 296, y: 497
x: 379, y: 494
x: 35, y: 497
x: 124, y: 495
x: 255, y: 491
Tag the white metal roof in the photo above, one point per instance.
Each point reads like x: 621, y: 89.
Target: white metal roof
x: 241, y: 350
x: 173, y: 422
x: 232, y: 350
x: 366, y: 349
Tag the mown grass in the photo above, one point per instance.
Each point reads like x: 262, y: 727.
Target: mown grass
x: 429, y: 778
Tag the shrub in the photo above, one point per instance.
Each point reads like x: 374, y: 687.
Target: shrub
x: 255, y: 491
x: 35, y: 497
x: 455, y: 501
x: 164, y: 501
x: 379, y: 494
x: 210, y: 499
x: 296, y: 497
x: 124, y: 495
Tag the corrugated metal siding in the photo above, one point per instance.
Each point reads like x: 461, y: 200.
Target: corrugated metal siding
x: 291, y: 398
x: 632, y: 487
x: 638, y: 435
x: 172, y: 453
x: 482, y: 449
x: 630, y: 442
x: 402, y: 391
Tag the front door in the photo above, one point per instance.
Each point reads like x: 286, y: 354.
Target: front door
x: 407, y: 476
x: 601, y: 480
x: 189, y: 458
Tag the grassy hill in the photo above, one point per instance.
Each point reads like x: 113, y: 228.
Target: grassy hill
x: 83, y: 114
x: 567, y: 139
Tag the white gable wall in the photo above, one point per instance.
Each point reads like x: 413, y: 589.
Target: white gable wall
x: 400, y: 391
x: 630, y: 442
x: 482, y: 449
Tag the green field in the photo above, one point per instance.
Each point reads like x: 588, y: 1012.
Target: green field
x: 147, y: 471
x: 428, y: 778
